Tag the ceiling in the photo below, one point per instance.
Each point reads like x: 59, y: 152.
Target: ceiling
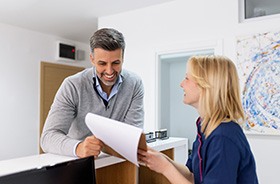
x: 70, y: 19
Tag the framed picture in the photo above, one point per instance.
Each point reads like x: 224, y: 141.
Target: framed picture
x: 258, y: 63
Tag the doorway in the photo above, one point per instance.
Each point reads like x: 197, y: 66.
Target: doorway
x: 173, y: 115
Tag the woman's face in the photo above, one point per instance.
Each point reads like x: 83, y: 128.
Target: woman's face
x: 191, y: 90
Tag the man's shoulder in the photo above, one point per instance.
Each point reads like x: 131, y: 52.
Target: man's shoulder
x: 130, y: 76
x: 131, y: 81
x: 79, y: 80
x: 82, y: 75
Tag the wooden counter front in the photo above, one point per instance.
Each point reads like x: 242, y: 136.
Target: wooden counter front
x: 120, y: 173
x: 151, y: 177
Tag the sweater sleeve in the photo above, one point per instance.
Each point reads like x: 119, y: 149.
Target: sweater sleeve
x: 222, y: 162
x: 54, y: 137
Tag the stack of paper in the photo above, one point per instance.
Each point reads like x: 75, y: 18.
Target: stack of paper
x: 121, y: 139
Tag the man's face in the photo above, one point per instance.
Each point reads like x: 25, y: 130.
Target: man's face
x: 108, y: 65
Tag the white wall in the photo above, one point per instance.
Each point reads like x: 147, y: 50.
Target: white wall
x: 149, y: 29
x: 21, y: 52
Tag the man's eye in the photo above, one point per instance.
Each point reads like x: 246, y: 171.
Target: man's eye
x: 116, y: 63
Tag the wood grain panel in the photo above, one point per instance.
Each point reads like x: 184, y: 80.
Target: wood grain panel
x: 121, y: 173
x: 147, y: 176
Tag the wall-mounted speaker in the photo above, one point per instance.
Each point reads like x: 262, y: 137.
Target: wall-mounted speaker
x: 80, y: 55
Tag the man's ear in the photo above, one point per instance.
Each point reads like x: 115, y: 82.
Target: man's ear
x: 92, y: 59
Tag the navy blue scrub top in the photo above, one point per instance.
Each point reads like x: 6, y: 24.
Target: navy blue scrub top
x: 224, y: 157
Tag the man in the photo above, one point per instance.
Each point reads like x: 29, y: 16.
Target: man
x: 105, y: 89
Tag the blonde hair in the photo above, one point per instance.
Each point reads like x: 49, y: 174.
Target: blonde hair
x: 220, y: 100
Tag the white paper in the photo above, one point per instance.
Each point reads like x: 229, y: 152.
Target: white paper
x: 121, y: 137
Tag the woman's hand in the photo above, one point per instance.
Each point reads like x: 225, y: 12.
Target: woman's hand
x: 154, y: 160
x: 158, y: 162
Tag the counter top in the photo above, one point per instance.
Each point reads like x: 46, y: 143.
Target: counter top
x: 171, y: 142
x: 103, y: 160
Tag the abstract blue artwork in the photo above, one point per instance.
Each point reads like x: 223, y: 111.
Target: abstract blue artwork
x: 258, y: 63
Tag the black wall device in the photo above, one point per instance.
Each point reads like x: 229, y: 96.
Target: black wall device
x: 66, y: 51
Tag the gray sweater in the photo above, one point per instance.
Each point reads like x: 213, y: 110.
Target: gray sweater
x: 65, y: 125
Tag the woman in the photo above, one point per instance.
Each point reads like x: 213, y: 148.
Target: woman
x: 221, y: 153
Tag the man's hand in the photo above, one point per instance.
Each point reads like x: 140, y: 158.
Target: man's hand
x: 91, y: 146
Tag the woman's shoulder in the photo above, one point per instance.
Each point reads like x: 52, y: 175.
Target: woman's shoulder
x: 229, y: 131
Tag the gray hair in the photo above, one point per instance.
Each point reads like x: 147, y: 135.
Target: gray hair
x: 108, y: 39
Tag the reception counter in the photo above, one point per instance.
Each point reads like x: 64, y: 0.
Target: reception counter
x: 109, y: 169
